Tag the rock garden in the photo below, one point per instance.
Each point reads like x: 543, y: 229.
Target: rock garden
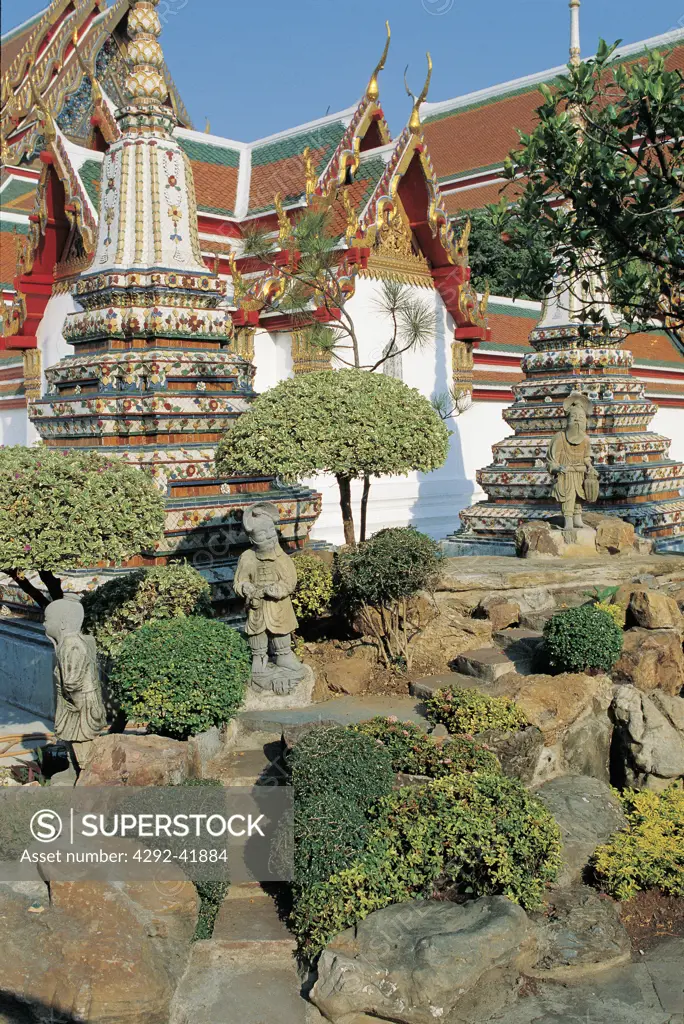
x: 490, y: 831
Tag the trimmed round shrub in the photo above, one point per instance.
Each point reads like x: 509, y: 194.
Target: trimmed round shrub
x: 120, y: 605
x: 415, y: 753
x: 336, y: 775
x: 649, y: 853
x: 393, y: 565
x: 470, y: 712
x: 181, y: 676
x: 471, y: 834
x: 582, y: 638
x: 314, y: 587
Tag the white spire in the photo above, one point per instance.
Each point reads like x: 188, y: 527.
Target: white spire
x: 574, y: 32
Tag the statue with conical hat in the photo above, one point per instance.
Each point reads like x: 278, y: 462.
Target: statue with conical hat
x: 569, y: 462
x: 266, y: 577
x: 80, y: 713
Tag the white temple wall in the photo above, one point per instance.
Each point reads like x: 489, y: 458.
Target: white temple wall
x: 14, y: 423
x: 51, y: 342
x: 670, y: 423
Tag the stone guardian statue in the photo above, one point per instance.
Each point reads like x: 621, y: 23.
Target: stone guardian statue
x: 569, y: 462
x: 80, y: 713
x: 266, y: 577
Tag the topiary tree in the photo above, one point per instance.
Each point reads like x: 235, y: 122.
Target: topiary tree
x: 582, y: 638
x: 119, y: 606
x: 181, y: 676
x: 62, y: 510
x: 379, y: 577
x: 351, y: 423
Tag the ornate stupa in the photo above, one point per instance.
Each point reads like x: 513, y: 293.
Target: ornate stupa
x: 577, y: 348
x: 154, y: 378
x: 638, y: 481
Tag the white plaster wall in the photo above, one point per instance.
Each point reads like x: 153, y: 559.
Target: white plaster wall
x: 51, y: 343
x: 670, y: 423
x: 13, y: 426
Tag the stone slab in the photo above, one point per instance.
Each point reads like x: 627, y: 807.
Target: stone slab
x: 343, y: 711
x: 486, y: 663
x: 253, y: 918
x: 223, y: 985
x: 425, y: 687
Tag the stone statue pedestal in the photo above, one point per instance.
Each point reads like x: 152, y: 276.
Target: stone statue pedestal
x: 300, y: 697
x: 545, y: 540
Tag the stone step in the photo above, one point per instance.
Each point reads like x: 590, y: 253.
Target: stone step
x: 486, y: 663
x: 523, y: 647
x: 426, y: 687
x: 246, y: 768
x: 342, y: 711
x: 224, y: 985
x: 517, y: 636
x: 250, y: 916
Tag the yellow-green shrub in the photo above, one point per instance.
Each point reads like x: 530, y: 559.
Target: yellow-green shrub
x: 617, y: 612
x: 649, y: 853
x: 314, y: 587
x: 470, y: 712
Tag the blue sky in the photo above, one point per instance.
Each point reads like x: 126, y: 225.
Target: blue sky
x: 257, y: 68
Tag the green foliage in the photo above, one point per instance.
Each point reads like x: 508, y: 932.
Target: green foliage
x: 62, y: 510
x: 579, y: 639
x: 345, y: 422
x: 336, y: 775
x: 117, y: 607
x: 182, y: 675
x: 415, y: 753
x: 477, y: 834
x: 314, y: 587
x: 499, y: 260
x: 393, y: 564
x: 617, y: 612
x: 211, y: 893
x: 649, y: 853
x: 470, y: 712
x: 609, y: 144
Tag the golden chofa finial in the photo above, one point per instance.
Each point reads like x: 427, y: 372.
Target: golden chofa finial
x: 284, y: 226
x: 373, y: 90
x: 414, y: 120
x: 310, y: 174
x: 89, y: 72
x: 207, y: 127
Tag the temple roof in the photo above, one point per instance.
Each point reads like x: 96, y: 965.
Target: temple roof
x: 470, y: 136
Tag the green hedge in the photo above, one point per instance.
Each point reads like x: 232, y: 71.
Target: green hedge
x: 314, y: 590
x: 477, y: 834
x: 182, y: 675
x: 393, y: 565
x: 336, y: 775
x: 117, y: 607
x: 582, y: 638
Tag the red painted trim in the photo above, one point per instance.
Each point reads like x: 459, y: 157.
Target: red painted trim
x: 217, y: 226
x: 670, y: 403
x: 652, y: 372
x: 13, y: 403
x: 22, y: 172
x: 493, y: 395
x: 15, y: 372
x: 511, y: 362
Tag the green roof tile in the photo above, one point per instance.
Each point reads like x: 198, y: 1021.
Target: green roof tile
x: 208, y: 154
x: 90, y: 172
x: 15, y: 189
x: 325, y: 137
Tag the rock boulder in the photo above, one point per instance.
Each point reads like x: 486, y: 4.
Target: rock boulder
x: 649, y: 738
x: 653, y: 610
x: 651, y: 659
x: 130, y: 759
x: 579, y: 933
x: 500, y: 611
x: 614, y: 536
x: 417, y: 962
x: 588, y: 812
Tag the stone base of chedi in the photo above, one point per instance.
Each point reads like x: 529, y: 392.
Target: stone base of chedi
x: 602, y: 537
x: 638, y: 482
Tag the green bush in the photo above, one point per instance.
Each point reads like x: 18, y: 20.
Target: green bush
x: 649, y: 853
x: 582, y: 638
x: 378, y: 578
x: 470, y: 712
x: 336, y: 775
x: 415, y: 753
x: 181, y: 676
x: 392, y: 565
x: 117, y: 607
x: 475, y: 834
x: 314, y: 587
